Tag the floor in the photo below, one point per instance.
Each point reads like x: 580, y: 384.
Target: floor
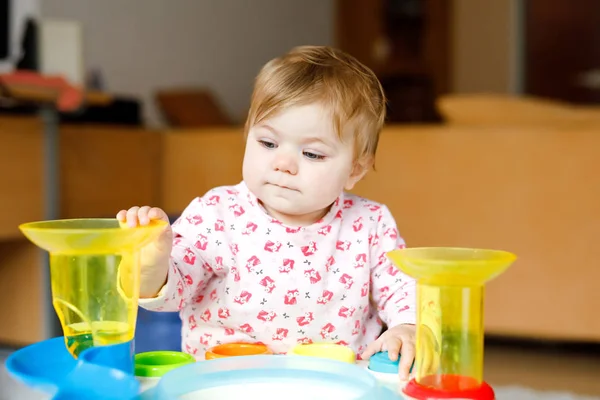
x: 573, y: 368
x: 513, y: 369
x: 9, y: 389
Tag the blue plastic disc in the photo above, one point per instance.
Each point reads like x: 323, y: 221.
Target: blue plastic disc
x: 380, y: 362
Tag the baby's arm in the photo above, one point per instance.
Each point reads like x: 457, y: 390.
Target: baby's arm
x: 395, y: 292
x: 392, y: 291
x: 189, y: 271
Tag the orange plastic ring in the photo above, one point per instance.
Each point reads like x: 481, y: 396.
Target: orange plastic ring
x: 237, y: 349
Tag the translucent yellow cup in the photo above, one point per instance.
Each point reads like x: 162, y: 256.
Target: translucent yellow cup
x: 95, y: 276
x: 450, y: 297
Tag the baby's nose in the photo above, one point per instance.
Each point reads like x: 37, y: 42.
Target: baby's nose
x: 287, y: 163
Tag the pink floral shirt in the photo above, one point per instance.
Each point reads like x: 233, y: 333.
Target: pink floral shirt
x: 237, y: 274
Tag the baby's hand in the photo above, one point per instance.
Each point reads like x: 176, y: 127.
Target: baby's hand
x: 141, y: 215
x: 398, y: 340
x: 155, y: 256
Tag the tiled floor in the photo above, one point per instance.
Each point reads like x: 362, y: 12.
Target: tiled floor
x: 537, y: 367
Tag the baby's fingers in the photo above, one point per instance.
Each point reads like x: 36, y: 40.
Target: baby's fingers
x: 132, y: 216
x: 157, y: 213
x: 143, y: 215
x: 372, y: 348
x: 435, y: 363
x: 406, y: 359
x: 122, y: 215
x: 393, y: 345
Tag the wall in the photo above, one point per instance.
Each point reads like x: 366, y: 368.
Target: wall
x: 486, y: 39
x: 20, y: 11
x: 217, y: 43
x: 222, y: 44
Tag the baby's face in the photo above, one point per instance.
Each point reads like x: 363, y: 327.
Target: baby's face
x: 296, y: 165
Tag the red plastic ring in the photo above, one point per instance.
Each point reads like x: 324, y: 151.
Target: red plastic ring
x: 420, y: 392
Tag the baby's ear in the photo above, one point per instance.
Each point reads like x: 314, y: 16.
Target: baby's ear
x: 359, y: 169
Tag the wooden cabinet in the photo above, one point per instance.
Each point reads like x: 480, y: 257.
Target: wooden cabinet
x: 562, y: 59
x: 407, y: 44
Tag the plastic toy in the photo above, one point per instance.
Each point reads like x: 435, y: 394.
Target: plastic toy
x: 94, y: 273
x: 270, y: 377
x: 381, y: 363
x: 100, y: 372
x: 151, y: 366
x: 325, y: 350
x: 386, y: 370
x: 95, y: 287
x: 452, y: 281
x: 95, y: 277
x: 237, y: 350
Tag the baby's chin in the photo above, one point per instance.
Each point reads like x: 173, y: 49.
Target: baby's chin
x: 294, y: 215
x: 286, y: 208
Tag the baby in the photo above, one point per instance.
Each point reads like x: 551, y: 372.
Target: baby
x: 288, y: 256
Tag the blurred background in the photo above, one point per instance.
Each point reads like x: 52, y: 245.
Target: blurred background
x: 492, y: 141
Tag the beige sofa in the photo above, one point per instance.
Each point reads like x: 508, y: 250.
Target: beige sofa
x: 505, y: 173
x: 514, y: 174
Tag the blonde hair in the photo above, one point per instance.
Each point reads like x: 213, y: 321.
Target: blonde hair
x: 309, y: 74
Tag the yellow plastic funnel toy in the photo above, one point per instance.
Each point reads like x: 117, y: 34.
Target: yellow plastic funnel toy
x: 450, y: 330
x: 95, y: 276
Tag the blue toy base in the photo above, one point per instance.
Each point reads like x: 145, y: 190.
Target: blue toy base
x: 100, y: 372
x: 157, y: 331
x: 274, y: 377
x: 106, y: 373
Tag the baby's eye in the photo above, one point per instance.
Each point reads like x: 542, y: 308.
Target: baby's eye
x: 268, y: 145
x: 313, y: 156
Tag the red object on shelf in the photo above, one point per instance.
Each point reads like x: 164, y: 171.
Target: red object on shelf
x: 40, y: 87
x: 449, y: 387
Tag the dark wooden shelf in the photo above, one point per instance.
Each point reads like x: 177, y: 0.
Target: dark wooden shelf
x: 404, y: 41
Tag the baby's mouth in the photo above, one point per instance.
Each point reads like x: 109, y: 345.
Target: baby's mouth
x: 284, y: 187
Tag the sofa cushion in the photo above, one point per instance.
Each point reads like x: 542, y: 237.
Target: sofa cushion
x: 469, y: 109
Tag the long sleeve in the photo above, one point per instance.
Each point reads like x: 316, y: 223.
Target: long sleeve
x: 392, y: 291
x: 189, y: 270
